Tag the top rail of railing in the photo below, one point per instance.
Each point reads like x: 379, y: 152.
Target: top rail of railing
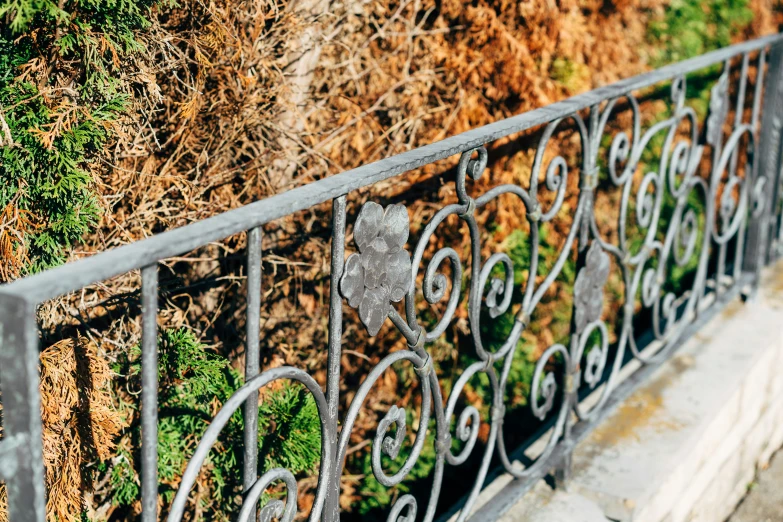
x: 84, y: 272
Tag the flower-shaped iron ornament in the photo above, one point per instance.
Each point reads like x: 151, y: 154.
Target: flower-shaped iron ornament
x: 589, y: 287
x: 380, y: 273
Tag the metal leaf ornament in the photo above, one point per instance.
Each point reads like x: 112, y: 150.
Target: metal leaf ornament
x: 719, y: 109
x: 380, y: 273
x: 589, y: 287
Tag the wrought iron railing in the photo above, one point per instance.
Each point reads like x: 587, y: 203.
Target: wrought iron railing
x: 725, y: 240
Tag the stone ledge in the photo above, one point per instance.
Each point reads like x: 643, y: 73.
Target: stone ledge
x: 544, y: 504
x: 686, y: 444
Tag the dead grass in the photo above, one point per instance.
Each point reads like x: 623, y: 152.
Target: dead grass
x: 80, y: 424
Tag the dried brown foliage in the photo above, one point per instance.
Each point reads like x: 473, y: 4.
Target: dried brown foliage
x: 208, y: 92
x: 418, y: 71
x: 80, y: 423
x: 15, y: 222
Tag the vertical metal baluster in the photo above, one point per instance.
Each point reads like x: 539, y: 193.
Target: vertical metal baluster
x: 252, y: 355
x: 716, y: 179
x: 752, y: 250
x: 587, y: 183
x: 22, y: 447
x: 149, y: 394
x: 721, y: 270
x: 738, y: 117
x: 713, y: 215
x: 776, y: 217
x: 771, y: 145
x: 332, y: 504
x: 763, y: 228
x: 758, y: 89
x: 740, y: 108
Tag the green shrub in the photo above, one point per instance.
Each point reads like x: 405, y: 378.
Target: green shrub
x: 692, y: 27
x: 193, y: 385
x: 60, y: 96
x: 289, y: 430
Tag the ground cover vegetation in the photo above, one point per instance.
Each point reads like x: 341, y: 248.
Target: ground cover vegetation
x: 123, y: 118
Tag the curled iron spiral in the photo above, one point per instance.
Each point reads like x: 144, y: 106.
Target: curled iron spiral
x: 670, y: 216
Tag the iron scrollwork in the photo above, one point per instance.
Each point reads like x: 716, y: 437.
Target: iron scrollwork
x: 383, y: 272
x: 677, y: 173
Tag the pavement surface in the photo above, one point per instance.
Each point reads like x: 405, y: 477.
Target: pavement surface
x: 764, y: 501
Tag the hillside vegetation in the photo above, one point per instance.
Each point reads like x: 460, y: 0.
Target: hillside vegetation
x: 120, y: 119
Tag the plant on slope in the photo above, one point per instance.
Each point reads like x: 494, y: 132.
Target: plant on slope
x: 80, y: 425
x: 692, y: 27
x: 60, y: 97
x: 194, y: 384
x: 91, y: 430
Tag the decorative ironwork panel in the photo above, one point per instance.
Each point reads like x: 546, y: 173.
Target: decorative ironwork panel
x: 729, y: 168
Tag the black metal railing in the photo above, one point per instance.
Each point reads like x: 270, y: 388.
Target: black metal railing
x: 700, y: 195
